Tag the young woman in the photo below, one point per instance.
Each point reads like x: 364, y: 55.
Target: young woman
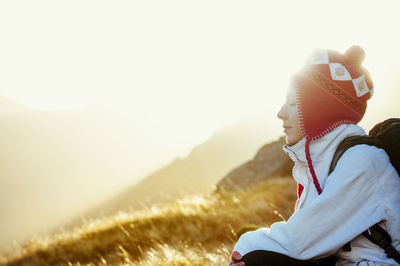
x: 325, y: 101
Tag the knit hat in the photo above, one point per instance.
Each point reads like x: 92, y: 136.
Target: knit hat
x: 332, y: 89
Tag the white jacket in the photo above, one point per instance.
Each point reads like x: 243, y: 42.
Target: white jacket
x: 364, y: 189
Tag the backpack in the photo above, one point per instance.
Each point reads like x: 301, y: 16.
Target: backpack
x: 385, y: 135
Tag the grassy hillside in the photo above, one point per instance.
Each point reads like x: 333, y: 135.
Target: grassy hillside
x: 197, y: 230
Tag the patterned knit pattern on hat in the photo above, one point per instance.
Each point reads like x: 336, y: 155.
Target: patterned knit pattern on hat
x: 332, y: 89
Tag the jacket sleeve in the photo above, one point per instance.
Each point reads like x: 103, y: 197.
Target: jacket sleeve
x: 347, y: 207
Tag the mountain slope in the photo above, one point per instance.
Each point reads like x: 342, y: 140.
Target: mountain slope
x: 205, y: 165
x: 61, y: 163
x: 270, y: 161
x: 9, y: 107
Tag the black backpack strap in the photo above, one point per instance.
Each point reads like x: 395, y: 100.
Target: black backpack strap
x: 380, y: 237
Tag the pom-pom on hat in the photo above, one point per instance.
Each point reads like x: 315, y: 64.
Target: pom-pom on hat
x: 332, y: 89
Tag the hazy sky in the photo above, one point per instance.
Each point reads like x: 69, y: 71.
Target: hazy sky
x: 192, y: 65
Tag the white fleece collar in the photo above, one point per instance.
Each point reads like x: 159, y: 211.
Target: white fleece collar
x: 323, y: 149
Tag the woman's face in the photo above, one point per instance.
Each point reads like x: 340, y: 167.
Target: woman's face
x: 290, y: 117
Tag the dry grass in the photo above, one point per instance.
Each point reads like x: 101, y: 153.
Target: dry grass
x: 196, y: 230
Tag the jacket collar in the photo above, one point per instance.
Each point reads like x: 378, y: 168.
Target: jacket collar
x: 323, y: 148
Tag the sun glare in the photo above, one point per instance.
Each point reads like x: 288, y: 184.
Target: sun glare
x: 145, y: 82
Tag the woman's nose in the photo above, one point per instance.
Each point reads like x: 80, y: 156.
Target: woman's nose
x: 282, y: 114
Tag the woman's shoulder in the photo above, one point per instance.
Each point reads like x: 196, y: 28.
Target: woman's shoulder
x: 369, y: 169
x: 368, y: 155
x: 374, y: 161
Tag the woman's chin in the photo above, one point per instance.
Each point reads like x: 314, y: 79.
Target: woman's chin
x: 291, y: 141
